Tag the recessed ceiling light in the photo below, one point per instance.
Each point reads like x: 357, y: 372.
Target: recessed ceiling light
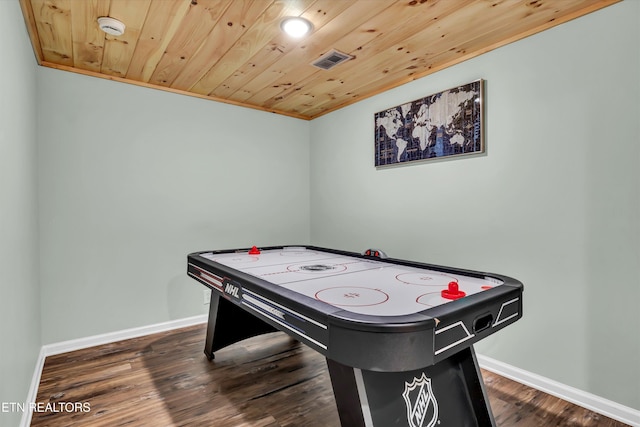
x: 296, y: 27
x: 111, y: 26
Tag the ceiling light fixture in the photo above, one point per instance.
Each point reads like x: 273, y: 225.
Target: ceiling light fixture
x: 296, y: 27
x: 111, y: 26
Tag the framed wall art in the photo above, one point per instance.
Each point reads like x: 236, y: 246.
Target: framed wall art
x: 445, y: 124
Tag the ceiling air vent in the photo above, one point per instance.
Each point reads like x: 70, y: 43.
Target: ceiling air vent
x: 331, y: 59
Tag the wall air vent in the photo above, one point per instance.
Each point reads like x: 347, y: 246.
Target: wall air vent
x: 331, y: 59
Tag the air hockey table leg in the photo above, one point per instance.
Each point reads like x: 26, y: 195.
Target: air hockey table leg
x: 449, y: 393
x: 229, y: 324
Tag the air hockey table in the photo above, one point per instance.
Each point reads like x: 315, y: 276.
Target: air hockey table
x: 397, y: 335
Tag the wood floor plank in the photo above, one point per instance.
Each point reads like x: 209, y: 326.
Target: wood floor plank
x: 267, y: 381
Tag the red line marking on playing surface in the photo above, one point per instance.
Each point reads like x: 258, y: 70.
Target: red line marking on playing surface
x: 386, y: 296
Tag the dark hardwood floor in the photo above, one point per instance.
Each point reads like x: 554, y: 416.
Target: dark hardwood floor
x: 268, y: 381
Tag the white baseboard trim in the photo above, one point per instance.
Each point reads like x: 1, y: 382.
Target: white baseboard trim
x: 579, y: 397
x: 80, y: 343
x: 25, y: 421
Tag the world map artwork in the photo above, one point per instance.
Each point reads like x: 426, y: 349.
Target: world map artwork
x: 447, y: 123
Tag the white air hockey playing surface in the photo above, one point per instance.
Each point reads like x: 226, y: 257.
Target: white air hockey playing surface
x: 364, y: 286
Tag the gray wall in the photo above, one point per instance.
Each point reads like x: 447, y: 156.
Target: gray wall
x: 131, y: 180
x: 19, y: 299
x: 554, y: 201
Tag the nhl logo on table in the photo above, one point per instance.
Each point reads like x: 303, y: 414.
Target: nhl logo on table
x: 422, y: 406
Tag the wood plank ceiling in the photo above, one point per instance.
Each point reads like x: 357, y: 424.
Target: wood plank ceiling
x: 234, y: 51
